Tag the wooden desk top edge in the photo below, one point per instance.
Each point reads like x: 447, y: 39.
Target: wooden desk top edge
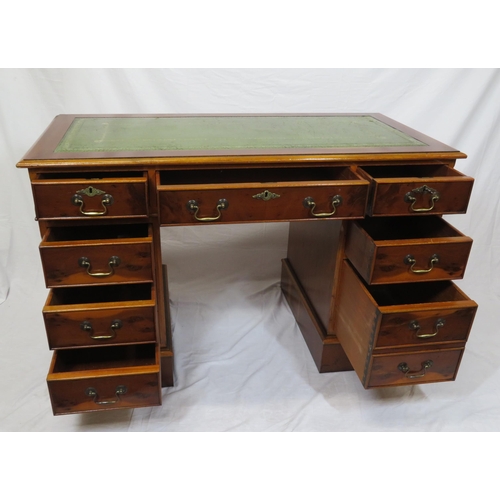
x: 42, y: 154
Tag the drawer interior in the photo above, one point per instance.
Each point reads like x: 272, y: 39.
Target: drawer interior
x: 99, y: 294
x: 416, y: 293
x: 253, y: 175
x: 397, y: 228
x: 411, y: 171
x: 109, y: 232
x: 102, y: 358
x: 87, y: 176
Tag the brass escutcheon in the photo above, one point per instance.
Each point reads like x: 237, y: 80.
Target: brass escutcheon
x: 266, y: 196
x: 91, y: 191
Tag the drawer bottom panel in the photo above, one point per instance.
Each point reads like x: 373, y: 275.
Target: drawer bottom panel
x: 413, y: 368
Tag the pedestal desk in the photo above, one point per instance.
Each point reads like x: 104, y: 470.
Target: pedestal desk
x: 370, y: 263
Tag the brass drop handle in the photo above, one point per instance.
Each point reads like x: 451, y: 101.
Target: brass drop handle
x: 411, y: 197
x: 113, y: 262
x: 193, y: 206
x: 410, y: 260
x: 414, y: 325
x: 419, y: 374
x: 119, y: 391
x: 107, y: 199
x: 311, y: 205
x: 87, y: 327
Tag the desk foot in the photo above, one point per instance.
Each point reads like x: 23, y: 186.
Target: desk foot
x: 325, y: 350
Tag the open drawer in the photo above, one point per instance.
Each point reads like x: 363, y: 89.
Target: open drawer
x: 260, y: 194
x: 90, y: 195
x: 416, y: 189
x: 107, y: 378
x: 373, y: 322
x: 100, y: 315
x: 85, y: 255
x: 406, y: 249
x: 422, y: 367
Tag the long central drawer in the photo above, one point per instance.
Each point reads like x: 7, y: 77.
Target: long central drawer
x: 260, y: 195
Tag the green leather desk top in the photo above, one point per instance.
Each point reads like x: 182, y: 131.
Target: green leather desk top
x: 166, y: 139
x: 229, y: 133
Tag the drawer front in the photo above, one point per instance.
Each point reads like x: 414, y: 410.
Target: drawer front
x: 100, y: 327
x: 425, y: 327
x: 422, y: 262
x: 100, y: 315
x: 445, y: 193
x: 90, y: 199
x: 104, y: 393
x: 436, y: 255
x: 414, y: 368
x: 257, y: 204
x: 104, y: 379
x: 96, y: 263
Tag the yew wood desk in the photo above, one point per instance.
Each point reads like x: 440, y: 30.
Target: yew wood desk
x: 370, y: 265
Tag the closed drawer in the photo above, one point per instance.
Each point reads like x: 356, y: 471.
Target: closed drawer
x: 416, y: 190
x: 381, y: 319
x: 83, y: 380
x: 407, y: 249
x: 85, y: 255
x: 95, y: 195
x: 96, y: 316
x: 257, y: 195
x: 409, y: 368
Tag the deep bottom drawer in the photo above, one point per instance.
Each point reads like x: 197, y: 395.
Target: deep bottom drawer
x: 414, y: 368
x: 83, y: 380
x: 382, y: 326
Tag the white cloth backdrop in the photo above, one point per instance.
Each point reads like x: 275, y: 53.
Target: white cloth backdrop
x: 241, y: 363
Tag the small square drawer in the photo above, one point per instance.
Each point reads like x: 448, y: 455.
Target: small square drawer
x: 381, y: 319
x: 85, y: 255
x: 107, y: 378
x: 407, y: 249
x: 416, y: 189
x: 257, y: 195
x: 93, y: 195
x: 409, y: 368
x: 100, y: 315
